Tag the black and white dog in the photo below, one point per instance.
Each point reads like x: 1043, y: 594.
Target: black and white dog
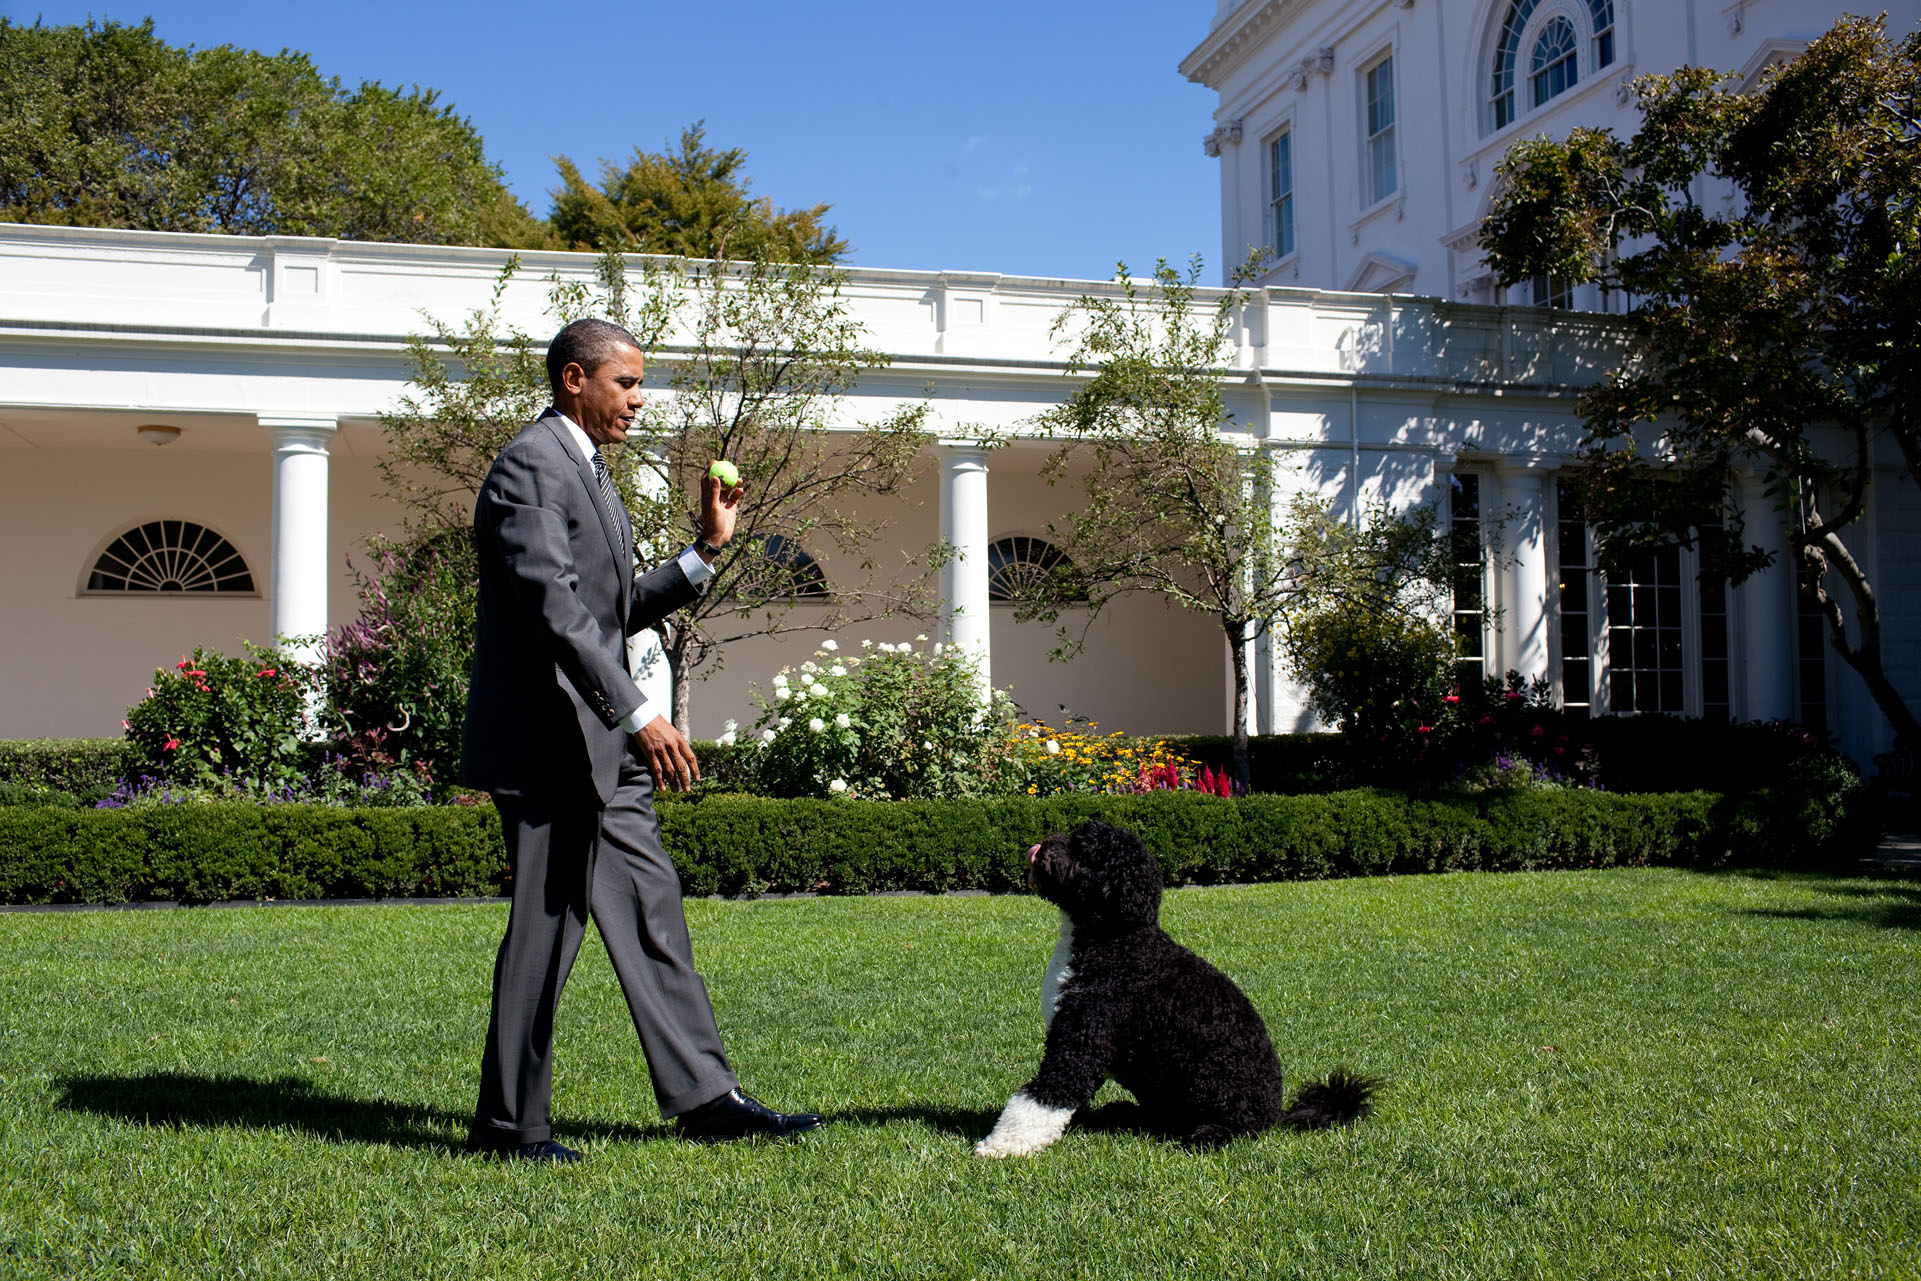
x: 1123, y: 1000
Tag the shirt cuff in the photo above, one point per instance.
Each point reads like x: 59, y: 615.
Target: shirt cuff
x: 697, y: 570
x: 633, y: 720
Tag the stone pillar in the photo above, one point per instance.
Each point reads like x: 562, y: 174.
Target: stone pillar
x: 1524, y: 587
x: 1767, y: 614
x: 297, y: 580
x: 963, y: 527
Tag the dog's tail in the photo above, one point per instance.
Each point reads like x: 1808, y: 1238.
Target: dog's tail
x: 1344, y: 1098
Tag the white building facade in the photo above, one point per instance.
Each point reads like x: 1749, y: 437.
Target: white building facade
x: 259, y: 367
x: 1358, y: 138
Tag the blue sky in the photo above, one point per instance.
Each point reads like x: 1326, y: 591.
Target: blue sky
x: 1050, y: 138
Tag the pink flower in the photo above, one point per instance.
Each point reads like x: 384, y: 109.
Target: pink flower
x: 1514, y: 696
x: 170, y: 744
x: 1452, y: 698
x: 1485, y: 720
x: 268, y: 671
x: 124, y: 725
x: 1537, y: 731
x: 1425, y: 729
x: 182, y: 664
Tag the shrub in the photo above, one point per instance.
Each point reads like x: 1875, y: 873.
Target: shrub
x: 397, y: 676
x: 733, y: 844
x: 215, y: 721
x: 890, y: 722
x: 83, y: 767
x: 1371, y: 670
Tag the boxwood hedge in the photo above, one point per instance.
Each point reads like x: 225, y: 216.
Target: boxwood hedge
x: 734, y: 844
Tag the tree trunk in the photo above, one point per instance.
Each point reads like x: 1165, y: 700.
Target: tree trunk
x: 1865, y: 657
x: 674, y: 650
x: 1237, y: 650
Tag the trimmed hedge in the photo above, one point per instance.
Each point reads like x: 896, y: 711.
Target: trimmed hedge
x: 733, y: 844
x: 81, y: 766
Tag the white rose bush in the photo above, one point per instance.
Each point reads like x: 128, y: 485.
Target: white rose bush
x: 891, y: 722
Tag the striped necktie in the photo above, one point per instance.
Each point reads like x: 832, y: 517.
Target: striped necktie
x: 608, y: 498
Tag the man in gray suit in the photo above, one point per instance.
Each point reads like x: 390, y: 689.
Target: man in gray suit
x: 572, y: 749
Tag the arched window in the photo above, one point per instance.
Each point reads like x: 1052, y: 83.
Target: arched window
x: 781, y: 571
x: 1015, y: 566
x: 1553, y: 71
x: 171, y: 556
x: 1550, y: 35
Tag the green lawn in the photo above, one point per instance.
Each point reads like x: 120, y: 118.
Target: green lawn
x: 1625, y: 1073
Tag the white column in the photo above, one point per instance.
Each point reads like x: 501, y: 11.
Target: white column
x: 963, y: 527
x: 646, y: 658
x: 297, y: 580
x: 1524, y: 582
x: 1767, y: 613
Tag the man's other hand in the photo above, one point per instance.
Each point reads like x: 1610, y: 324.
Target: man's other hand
x: 667, y: 754
x: 719, y: 508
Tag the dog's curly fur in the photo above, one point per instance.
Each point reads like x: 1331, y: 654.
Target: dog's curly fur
x: 1134, y: 1005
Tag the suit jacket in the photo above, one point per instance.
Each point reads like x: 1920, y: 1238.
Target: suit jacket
x: 558, y: 599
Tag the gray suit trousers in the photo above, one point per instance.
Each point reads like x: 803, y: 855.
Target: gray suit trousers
x: 571, y: 860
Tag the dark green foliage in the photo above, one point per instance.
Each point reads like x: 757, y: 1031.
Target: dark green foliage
x: 732, y: 844
x: 106, y: 125
x: 89, y: 767
x: 214, y: 721
x: 1777, y: 329
x: 692, y: 203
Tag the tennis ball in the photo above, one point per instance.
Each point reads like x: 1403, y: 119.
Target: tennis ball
x: 725, y: 472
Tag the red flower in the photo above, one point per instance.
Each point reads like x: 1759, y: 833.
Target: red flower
x: 1514, y: 696
x: 268, y: 671
x: 170, y: 744
x: 1452, y: 698
x: 1537, y: 731
x: 1485, y: 720
x: 1425, y: 729
x: 182, y: 664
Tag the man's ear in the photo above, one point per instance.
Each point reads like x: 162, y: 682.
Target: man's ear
x: 573, y: 377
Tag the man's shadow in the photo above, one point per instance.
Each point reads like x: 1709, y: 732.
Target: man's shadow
x: 293, y: 1103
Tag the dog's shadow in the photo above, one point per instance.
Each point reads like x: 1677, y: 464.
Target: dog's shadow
x: 223, y: 1100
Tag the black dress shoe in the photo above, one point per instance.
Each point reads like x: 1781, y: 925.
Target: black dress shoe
x: 545, y: 1150
x: 741, y: 1116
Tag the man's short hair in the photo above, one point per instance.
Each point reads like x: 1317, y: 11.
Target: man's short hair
x: 588, y: 343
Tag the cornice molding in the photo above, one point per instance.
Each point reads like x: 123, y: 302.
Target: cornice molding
x: 1227, y: 42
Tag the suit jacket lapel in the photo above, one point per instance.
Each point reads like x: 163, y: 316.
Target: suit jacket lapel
x: 623, y: 569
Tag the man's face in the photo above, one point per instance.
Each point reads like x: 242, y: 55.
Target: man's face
x: 605, y: 401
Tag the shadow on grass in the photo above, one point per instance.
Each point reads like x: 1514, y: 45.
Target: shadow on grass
x: 1886, y: 904
x: 292, y: 1103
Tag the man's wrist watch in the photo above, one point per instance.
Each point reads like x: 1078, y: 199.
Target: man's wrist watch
x: 707, y: 550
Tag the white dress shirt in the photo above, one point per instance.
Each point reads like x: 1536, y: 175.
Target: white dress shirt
x: 698, y: 571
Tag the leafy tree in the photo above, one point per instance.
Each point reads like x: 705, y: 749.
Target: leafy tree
x: 106, y: 125
x: 758, y: 359
x: 690, y: 203
x: 1176, y: 506
x: 1777, y: 331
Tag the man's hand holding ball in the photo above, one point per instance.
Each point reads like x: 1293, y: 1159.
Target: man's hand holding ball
x: 719, y: 506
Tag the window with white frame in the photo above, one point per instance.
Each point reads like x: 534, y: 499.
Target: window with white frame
x: 1650, y: 637
x: 1552, y: 69
x: 1545, y: 38
x: 170, y: 556
x: 1545, y: 289
x: 1383, y: 177
x: 1467, y: 563
x: 1280, y: 193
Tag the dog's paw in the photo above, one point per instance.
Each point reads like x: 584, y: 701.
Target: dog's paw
x: 1025, y: 1127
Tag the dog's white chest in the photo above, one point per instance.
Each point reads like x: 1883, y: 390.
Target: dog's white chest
x: 1060, y: 969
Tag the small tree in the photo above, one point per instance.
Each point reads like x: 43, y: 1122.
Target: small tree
x: 1175, y: 505
x: 1778, y: 331
x: 752, y: 362
x: 691, y: 203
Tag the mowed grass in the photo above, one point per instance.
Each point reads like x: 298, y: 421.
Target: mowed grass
x: 1607, y: 1074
